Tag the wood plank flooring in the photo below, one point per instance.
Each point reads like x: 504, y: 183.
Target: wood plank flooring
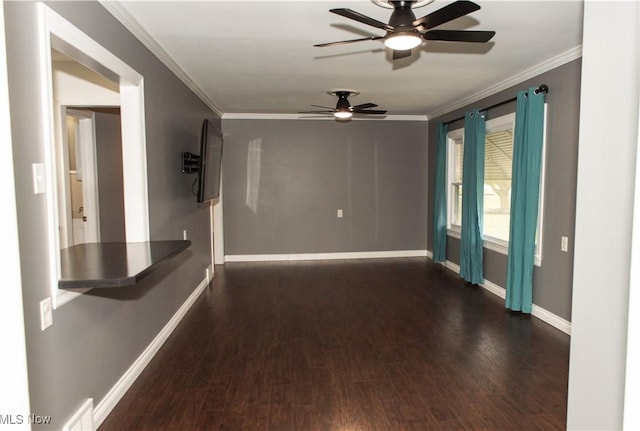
x: 384, y: 344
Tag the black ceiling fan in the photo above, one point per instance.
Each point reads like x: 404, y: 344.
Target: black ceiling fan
x: 405, y: 32
x: 343, y: 109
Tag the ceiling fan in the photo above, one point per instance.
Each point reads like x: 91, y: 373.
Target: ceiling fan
x: 343, y: 109
x: 405, y: 32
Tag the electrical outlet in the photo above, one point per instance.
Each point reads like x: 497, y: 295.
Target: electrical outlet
x: 46, y: 313
x: 185, y: 234
x: 339, y: 213
x: 564, y: 244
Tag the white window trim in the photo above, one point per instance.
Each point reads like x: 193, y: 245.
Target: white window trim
x: 454, y: 135
x: 77, y: 45
x: 543, y: 169
x: 489, y: 242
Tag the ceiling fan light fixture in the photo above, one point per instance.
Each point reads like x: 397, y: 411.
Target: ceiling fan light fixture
x: 343, y: 114
x: 402, y: 41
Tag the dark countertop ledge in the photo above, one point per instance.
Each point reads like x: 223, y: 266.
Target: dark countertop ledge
x: 113, y: 264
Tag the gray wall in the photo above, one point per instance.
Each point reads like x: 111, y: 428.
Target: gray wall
x: 553, y: 279
x: 374, y: 170
x: 95, y: 338
x: 110, y: 184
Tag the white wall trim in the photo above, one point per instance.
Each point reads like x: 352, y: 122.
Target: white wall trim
x: 552, y: 319
x: 55, y: 31
x: 262, y: 116
x: 82, y: 419
x: 217, y: 226
x: 141, y: 33
x: 536, y: 311
x: 632, y: 385
x: 115, y: 394
x: 134, y: 162
x: 545, y: 66
x: 324, y: 256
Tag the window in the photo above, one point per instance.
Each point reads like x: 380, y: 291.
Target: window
x: 454, y: 173
x: 497, y: 184
x: 497, y: 179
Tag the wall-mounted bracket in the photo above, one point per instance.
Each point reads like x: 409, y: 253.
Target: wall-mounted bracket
x: 190, y: 162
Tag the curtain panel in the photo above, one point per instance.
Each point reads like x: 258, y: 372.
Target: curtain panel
x: 472, y: 198
x: 525, y: 195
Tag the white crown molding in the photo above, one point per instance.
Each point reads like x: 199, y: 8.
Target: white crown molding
x: 260, y: 116
x: 142, y: 34
x: 539, y: 69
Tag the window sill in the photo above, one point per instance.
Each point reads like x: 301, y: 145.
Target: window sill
x: 497, y: 246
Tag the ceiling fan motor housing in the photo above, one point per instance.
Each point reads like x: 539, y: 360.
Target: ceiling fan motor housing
x: 343, y: 104
x: 402, y: 17
x: 401, y: 34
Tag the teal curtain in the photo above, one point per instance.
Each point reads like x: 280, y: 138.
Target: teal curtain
x: 525, y: 192
x: 472, y: 198
x: 440, y: 198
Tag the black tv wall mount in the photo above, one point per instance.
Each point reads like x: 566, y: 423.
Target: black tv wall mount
x: 190, y: 162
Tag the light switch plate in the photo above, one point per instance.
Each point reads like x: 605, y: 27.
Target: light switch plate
x: 46, y: 313
x: 39, y: 181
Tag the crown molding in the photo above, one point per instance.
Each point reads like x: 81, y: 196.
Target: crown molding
x: 141, y: 33
x: 261, y: 116
x: 539, y: 69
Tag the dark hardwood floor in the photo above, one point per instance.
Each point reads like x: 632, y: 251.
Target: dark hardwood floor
x: 389, y: 344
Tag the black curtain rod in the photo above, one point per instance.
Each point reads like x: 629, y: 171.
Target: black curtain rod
x: 542, y: 88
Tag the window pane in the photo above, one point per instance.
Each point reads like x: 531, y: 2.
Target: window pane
x: 456, y: 182
x: 497, y: 183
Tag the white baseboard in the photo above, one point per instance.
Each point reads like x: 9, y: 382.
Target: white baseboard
x: 552, y: 319
x: 324, y: 256
x: 82, y: 419
x: 536, y: 311
x: 106, y: 405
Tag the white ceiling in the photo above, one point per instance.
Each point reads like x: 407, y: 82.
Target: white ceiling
x: 258, y: 56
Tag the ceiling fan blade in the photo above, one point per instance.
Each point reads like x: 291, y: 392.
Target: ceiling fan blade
x: 446, y: 14
x: 325, y: 107
x: 370, y: 111
x: 459, y: 35
x: 363, y: 106
x: 342, y: 42
x: 357, y: 16
x: 398, y: 54
x: 316, y: 112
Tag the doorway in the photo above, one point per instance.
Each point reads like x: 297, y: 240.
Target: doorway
x: 81, y: 216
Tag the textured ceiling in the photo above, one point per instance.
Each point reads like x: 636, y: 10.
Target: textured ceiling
x: 258, y: 56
